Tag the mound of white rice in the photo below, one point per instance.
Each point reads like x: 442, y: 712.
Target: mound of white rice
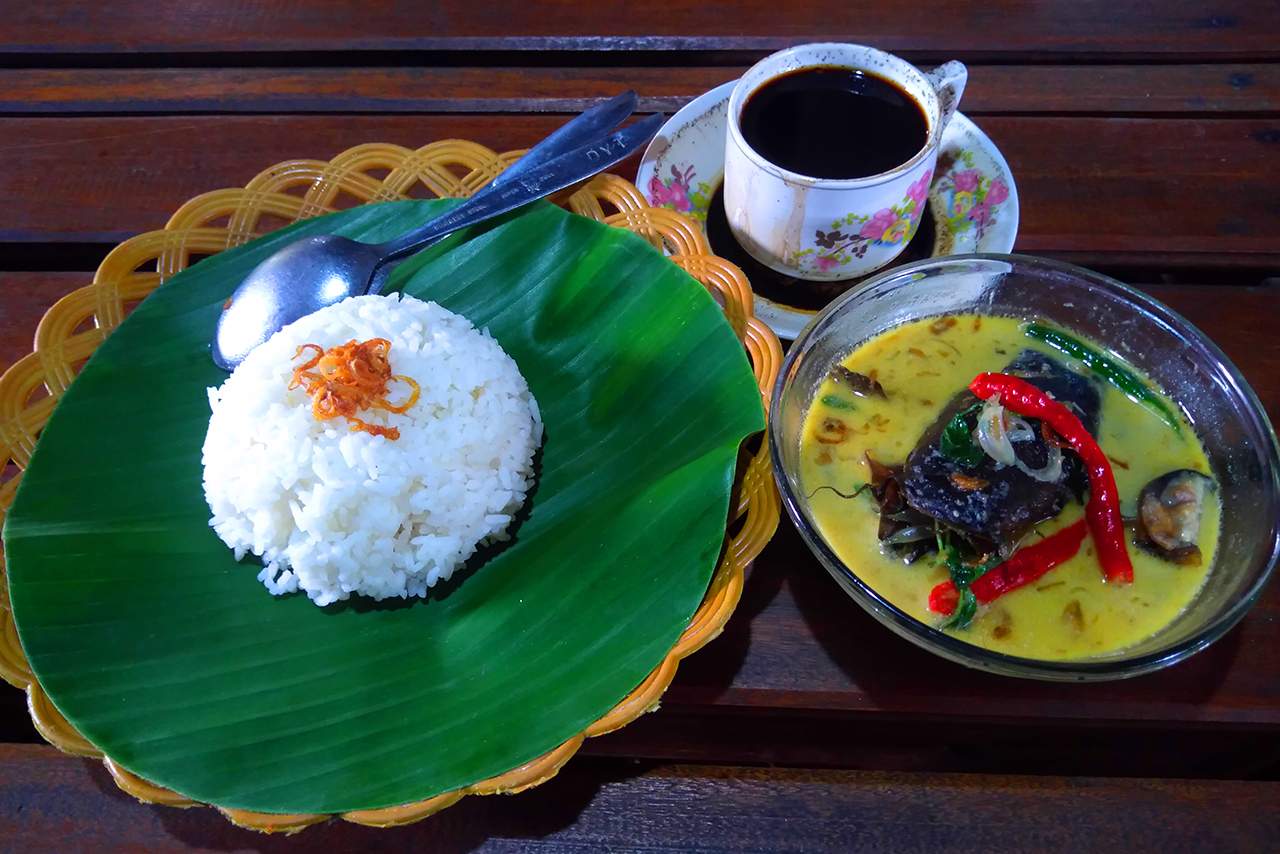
x: 335, y: 512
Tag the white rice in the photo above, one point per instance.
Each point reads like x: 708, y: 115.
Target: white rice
x: 334, y: 512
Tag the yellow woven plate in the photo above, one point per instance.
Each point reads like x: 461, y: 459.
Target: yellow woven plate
x: 294, y: 190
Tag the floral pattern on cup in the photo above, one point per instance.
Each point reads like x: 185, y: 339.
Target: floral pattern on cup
x: 971, y: 199
x: 851, y: 236
x: 678, y: 193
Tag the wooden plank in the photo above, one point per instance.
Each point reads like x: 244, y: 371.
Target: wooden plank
x: 24, y: 298
x: 1133, y: 89
x: 1149, y: 185
x: 114, y: 177
x: 993, y: 89
x: 1227, y: 28
x: 596, y: 805
x: 812, y: 738
x: 1097, y: 185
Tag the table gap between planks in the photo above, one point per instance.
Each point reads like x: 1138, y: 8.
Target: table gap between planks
x: 1145, y: 142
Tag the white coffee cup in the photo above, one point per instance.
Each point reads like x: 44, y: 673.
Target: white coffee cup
x: 834, y: 228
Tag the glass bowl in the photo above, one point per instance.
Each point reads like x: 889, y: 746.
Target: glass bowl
x: 1237, y: 436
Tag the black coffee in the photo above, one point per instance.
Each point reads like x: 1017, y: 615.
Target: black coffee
x: 830, y: 122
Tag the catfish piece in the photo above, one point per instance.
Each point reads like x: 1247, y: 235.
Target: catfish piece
x: 895, y: 516
x: 1010, y: 502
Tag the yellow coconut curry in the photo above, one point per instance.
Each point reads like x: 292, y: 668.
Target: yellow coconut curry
x: 1012, y: 484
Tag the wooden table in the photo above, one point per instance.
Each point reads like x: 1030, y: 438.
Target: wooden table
x: 1145, y: 139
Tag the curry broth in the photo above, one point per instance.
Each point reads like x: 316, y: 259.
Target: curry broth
x: 1068, y: 613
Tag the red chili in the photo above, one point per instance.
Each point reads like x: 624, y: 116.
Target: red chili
x: 1026, y: 565
x: 944, y: 597
x: 1103, y: 509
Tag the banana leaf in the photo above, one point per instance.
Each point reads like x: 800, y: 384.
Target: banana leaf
x: 173, y: 659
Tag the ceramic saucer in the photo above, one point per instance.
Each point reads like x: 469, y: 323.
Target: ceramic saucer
x: 973, y: 202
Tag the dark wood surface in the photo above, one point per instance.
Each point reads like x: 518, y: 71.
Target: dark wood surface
x: 1093, y: 186
x: 1225, y: 29
x: 1219, y: 89
x: 599, y: 805
x: 1145, y: 140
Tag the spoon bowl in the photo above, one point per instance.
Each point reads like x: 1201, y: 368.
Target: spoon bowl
x: 301, y: 278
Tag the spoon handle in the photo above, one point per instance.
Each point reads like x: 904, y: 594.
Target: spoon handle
x: 556, y: 174
x: 591, y: 124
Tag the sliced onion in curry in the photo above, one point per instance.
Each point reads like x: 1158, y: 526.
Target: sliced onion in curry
x: 992, y: 434
x: 997, y: 430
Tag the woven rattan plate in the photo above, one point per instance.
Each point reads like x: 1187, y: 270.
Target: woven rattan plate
x: 299, y: 189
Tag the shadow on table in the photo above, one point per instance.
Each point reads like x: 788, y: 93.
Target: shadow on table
x: 541, y: 812
x: 710, y: 671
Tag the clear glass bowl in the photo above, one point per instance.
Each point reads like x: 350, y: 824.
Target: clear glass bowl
x: 1237, y: 436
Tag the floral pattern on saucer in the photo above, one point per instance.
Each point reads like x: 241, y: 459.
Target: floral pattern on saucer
x: 973, y: 197
x: 676, y: 192
x: 970, y: 199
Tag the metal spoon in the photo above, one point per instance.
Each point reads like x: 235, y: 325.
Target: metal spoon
x: 315, y: 272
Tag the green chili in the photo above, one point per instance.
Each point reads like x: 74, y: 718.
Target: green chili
x: 963, y: 615
x: 837, y: 402
x: 960, y: 595
x: 1121, y: 378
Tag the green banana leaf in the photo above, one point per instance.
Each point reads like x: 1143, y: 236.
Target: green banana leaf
x: 173, y: 659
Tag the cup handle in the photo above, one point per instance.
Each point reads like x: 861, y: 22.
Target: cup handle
x: 948, y: 81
